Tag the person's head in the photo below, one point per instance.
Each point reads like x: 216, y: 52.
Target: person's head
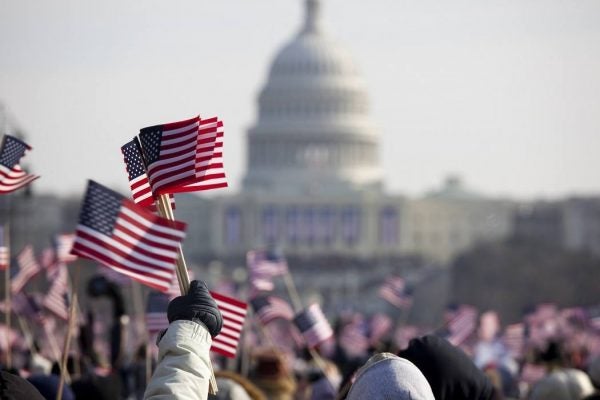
x: 13, y: 387
x: 235, y: 387
x: 450, y: 372
x: 386, y: 376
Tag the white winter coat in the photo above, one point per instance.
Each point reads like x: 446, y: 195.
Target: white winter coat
x: 183, y: 370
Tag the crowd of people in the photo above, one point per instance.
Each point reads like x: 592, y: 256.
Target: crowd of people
x: 425, y: 367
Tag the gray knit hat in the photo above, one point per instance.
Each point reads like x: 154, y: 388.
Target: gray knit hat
x: 387, y: 376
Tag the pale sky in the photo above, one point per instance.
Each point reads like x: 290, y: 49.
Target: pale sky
x: 505, y: 93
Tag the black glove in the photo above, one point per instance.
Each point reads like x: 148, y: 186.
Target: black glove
x: 198, y: 306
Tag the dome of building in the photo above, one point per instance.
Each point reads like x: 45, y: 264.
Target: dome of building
x: 313, y: 133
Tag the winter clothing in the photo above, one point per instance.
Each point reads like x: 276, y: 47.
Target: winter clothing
x: 272, y: 376
x: 233, y: 386
x: 13, y: 387
x: 47, y: 385
x: 594, y: 371
x: 183, y: 368
x: 450, y: 373
x: 386, y: 376
x: 564, y: 384
x: 197, y: 305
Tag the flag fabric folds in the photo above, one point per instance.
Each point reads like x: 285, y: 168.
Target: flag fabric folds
x: 234, y: 315
x: 313, y: 325
x: 393, y: 291
x: 64, y: 244
x: 263, y: 266
x: 28, y: 268
x: 136, y: 172
x: 462, y: 324
x: 12, y: 176
x: 210, y: 172
x: 57, y: 299
x: 179, y: 155
x: 4, y: 251
x: 268, y: 308
x: 156, y: 312
x: 141, y: 192
x: 27, y: 306
x: 127, y: 238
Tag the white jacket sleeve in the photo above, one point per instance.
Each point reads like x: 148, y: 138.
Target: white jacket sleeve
x: 183, y: 370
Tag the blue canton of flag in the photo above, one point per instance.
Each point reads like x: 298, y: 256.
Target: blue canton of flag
x: 127, y: 238
x: 12, y: 177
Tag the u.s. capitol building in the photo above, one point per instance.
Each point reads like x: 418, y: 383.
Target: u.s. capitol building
x: 314, y: 181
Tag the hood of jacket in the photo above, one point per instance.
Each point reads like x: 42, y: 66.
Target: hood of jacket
x: 387, y: 376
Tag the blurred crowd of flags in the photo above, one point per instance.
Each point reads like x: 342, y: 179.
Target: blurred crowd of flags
x: 133, y: 243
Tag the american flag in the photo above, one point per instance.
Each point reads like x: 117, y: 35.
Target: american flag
x: 156, y: 312
x: 381, y: 325
x: 64, y: 244
x: 234, y: 315
x: 514, y: 339
x: 263, y: 265
x: 138, y: 179
x: 12, y: 176
x: 28, y: 268
x: 393, y: 291
x: 313, y: 325
x: 4, y: 252
x: 127, y: 238
x: 57, y: 299
x: 462, y: 324
x: 179, y: 155
x: 268, y: 308
x: 27, y: 306
x: 210, y: 173
x: 353, y: 338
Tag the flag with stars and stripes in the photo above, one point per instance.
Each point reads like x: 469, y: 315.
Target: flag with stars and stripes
x: 12, y: 176
x: 64, y: 244
x: 28, y: 268
x: 141, y: 192
x: 268, y: 308
x: 462, y: 324
x: 4, y: 251
x: 27, y: 306
x: 263, y: 266
x: 313, y: 325
x: 394, y: 292
x: 234, y: 315
x: 121, y: 235
x: 57, y: 299
x: 184, y: 156
x: 156, y: 312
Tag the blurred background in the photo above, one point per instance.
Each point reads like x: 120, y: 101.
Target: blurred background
x: 360, y: 140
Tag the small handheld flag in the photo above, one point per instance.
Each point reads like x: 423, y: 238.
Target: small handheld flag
x: 234, y: 315
x: 28, y: 268
x: 184, y: 156
x: 127, y: 238
x: 12, y: 176
x: 313, y: 325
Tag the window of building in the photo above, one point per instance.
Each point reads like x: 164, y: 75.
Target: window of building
x: 233, y: 226
x: 388, y: 226
x: 270, y: 230
x: 351, y: 225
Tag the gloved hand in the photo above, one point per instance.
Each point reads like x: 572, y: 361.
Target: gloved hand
x: 198, y: 306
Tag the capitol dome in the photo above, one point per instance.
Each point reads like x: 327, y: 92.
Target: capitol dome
x: 313, y: 133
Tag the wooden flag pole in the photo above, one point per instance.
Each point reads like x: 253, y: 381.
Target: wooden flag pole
x: 26, y: 334
x: 67, y: 342
x: 293, y: 292
x: 7, y: 298
x: 183, y: 278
